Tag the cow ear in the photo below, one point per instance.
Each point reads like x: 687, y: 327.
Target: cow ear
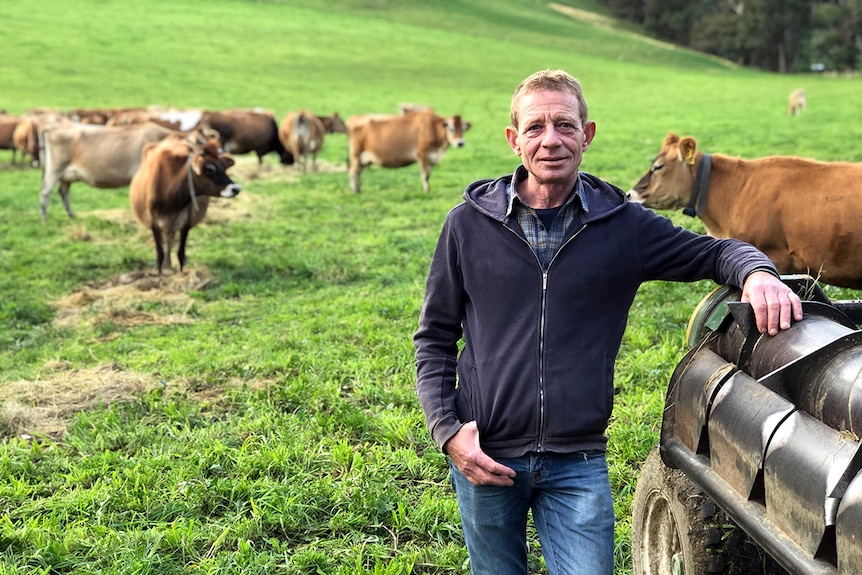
x: 671, y: 139
x: 227, y: 161
x: 466, y: 126
x: 687, y: 147
x: 197, y: 164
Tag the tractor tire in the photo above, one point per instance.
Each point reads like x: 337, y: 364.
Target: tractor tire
x: 677, y: 530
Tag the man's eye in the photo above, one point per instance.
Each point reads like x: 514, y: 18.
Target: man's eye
x: 534, y: 128
x: 566, y: 127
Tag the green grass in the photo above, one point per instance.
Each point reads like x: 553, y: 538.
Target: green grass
x: 272, y: 425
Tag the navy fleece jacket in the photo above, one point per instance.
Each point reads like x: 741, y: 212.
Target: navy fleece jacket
x: 537, y: 364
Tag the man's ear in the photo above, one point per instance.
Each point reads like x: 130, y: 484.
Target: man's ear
x: 512, y: 138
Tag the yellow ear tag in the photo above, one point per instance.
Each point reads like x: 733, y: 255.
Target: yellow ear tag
x: 690, y: 158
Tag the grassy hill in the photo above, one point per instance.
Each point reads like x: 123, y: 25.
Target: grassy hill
x: 257, y: 414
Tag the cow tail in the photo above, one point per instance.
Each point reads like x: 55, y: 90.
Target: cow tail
x: 302, y: 132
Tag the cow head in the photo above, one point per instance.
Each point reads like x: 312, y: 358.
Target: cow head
x: 209, y: 167
x: 455, y: 128
x: 668, y: 183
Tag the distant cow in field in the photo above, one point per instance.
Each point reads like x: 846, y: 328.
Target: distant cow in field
x: 302, y: 134
x: 801, y: 213
x: 796, y: 102
x: 26, y: 138
x: 243, y: 131
x: 100, y: 156
x: 395, y: 141
x: 171, y: 191
x: 333, y: 124
x: 8, y: 123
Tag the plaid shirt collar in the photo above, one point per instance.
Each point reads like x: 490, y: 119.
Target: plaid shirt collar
x: 521, y: 174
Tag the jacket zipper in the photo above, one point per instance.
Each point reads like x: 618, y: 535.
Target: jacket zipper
x: 540, y: 433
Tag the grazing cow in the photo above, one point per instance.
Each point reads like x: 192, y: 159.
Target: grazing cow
x: 141, y: 116
x: 803, y: 214
x: 796, y: 102
x: 171, y: 191
x: 333, y: 124
x: 26, y: 138
x: 302, y: 135
x: 242, y: 132
x: 8, y: 123
x: 101, y: 156
x: 395, y: 141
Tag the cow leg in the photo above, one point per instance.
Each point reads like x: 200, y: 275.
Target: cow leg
x: 48, y: 183
x: 425, y: 169
x: 64, y: 194
x: 181, y: 249
x: 355, y: 170
x: 160, y: 250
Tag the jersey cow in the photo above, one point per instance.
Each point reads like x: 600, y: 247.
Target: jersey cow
x: 171, y: 191
x: 242, y: 132
x: 26, y: 138
x: 302, y: 134
x: 801, y: 213
x: 8, y: 123
x: 100, y: 156
x: 398, y: 140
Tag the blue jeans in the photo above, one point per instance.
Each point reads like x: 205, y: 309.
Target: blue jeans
x: 573, y: 511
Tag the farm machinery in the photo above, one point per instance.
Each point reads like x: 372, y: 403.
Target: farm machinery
x: 759, y: 465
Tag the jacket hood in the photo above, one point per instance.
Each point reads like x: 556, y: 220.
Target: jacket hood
x: 490, y: 196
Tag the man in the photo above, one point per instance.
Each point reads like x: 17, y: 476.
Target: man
x: 537, y: 271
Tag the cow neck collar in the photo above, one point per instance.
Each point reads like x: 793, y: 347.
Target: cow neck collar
x: 697, y: 201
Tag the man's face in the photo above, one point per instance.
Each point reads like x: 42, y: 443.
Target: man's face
x: 550, y: 138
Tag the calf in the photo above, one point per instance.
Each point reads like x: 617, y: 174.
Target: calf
x: 171, y: 191
x: 395, y: 141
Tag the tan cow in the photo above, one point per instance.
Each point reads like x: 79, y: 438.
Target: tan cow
x: 398, y: 140
x: 101, y: 156
x: 171, y: 191
x: 26, y: 138
x: 802, y: 213
x: 244, y: 131
x: 796, y: 102
x: 302, y: 134
x: 8, y: 123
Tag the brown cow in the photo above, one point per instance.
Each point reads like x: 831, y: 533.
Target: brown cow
x: 796, y: 102
x: 395, y: 141
x: 101, y: 156
x: 802, y: 213
x: 26, y: 138
x: 302, y: 135
x: 8, y: 123
x: 333, y: 124
x: 171, y: 191
x: 242, y: 132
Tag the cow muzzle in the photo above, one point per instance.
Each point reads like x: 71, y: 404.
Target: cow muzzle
x: 230, y: 191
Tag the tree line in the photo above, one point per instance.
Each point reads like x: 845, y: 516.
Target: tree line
x: 779, y: 35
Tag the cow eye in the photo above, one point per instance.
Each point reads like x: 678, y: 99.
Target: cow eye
x: 210, y: 169
x: 657, y: 167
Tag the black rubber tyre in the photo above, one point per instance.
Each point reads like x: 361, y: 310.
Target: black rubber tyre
x: 678, y: 530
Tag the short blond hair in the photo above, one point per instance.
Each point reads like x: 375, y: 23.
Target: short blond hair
x: 556, y: 80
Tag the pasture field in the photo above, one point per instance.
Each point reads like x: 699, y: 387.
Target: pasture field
x: 257, y: 413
